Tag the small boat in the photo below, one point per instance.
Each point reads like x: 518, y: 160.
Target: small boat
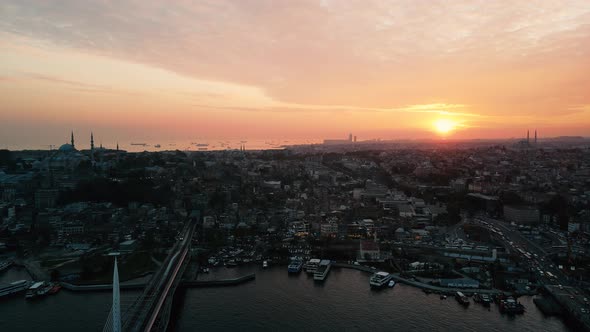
x: 461, y: 298
x: 264, y: 264
x: 295, y: 266
x: 391, y: 283
x: 157, y: 146
x: 54, y: 289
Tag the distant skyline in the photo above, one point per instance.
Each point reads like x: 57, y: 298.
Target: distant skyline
x: 171, y: 71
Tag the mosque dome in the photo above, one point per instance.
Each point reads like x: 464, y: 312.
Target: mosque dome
x: 67, y: 148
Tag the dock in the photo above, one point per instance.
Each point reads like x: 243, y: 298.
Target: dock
x: 218, y: 283
x: 421, y: 285
x: 101, y: 287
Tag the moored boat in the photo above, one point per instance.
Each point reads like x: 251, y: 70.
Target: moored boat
x: 510, y: 306
x: 379, y: 279
x: 295, y: 266
x: 14, y: 287
x: 34, y: 290
x: 54, y: 289
x: 312, y: 265
x: 322, y: 271
x: 461, y: 298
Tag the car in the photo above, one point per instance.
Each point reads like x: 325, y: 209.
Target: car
x: 560, y: 286
x: 572, y: 297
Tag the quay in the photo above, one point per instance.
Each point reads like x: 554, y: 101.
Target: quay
x: 101, y: 287
x: 419, y: 284
x: 218, y: 283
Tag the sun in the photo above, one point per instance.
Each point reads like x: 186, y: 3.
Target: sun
x: 444, y: 126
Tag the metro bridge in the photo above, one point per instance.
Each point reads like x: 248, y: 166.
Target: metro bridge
x: 151, y: 310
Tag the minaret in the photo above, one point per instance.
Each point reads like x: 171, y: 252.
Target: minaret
x: 101, y: 153
x: 535, y: 136
x: 528, y: 139
x: 116, y: 300
x: 92, y: 147
x: 72, y: 140
x: 117, y: 152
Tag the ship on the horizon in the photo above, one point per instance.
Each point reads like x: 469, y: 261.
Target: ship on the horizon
x: 139, y: 144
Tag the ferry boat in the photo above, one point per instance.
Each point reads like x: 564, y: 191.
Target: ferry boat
x: 312, y: 265
x: 14, y: 287
x: 380, y: 279
x: 322, y: 271
x: 295, y: 266
x: 157, y: 146
x: 34, y: 290
x: 461, y: 298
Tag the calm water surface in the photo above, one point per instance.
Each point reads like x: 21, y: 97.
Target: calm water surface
x: 276, y: 301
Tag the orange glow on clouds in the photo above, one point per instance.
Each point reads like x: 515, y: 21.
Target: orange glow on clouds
x: 294, y: 69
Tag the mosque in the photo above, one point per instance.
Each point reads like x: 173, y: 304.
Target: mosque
x: 67, y: 157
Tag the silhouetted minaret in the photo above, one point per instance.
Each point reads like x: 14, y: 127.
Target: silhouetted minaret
x: 72, y: 139
x: 92, y: 147
x: 117, y: 152
x: 528, y: 138
x: 535, y: 136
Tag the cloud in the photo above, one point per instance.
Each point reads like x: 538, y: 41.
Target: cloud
x: 487, y: 59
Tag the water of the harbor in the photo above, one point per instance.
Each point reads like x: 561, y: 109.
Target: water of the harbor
x: 276, y: 301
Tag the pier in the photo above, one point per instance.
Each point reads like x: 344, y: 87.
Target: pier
x: 101, y: 287
x: 218, y: 283
x: 421, y: 285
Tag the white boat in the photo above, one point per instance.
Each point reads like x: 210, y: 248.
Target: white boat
x: 34, y: 290
x: 14, y: 287
x: 312, y: 265
x: 380, y: 279
x: 391, y: 283
x: 322, y: 271
x: 264, y: 264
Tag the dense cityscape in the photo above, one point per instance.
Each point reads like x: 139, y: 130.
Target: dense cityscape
x: 309, y: 165
x: 485, y: 222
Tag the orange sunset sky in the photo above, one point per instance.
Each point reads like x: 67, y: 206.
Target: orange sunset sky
x: 292, y: 69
